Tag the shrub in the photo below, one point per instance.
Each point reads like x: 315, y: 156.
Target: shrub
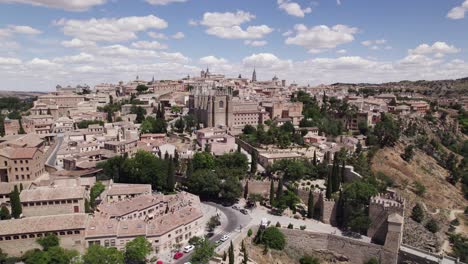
x: 290, y: 226
x: 372, y: 261
x: 278, y: 224
x: 432, y: 226
x: 419, y: 188
x: 273, y: 238
x: 309, y: 260
x: 302, y: 227
x: 417, y: 214
x: 455, y: 222
x: 249, y: 233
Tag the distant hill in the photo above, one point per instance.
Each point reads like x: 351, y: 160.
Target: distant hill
x: 20, y: 94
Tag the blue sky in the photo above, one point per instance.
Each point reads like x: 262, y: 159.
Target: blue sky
x: 49, y: 42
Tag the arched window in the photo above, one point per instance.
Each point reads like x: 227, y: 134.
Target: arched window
x: 221, y: 104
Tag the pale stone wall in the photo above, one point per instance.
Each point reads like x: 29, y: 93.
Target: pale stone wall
x: 67, y: 207
x: 307, y: 243
x: 328, y: 212
x: 17, y: 247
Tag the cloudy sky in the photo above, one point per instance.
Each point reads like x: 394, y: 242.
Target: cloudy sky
x: 48, y: 42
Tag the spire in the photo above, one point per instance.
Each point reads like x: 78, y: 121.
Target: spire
x: 152, y: 81
x: 254, y: 76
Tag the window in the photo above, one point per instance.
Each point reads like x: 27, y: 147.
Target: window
x: 106, y: 243
x: 76, y: 232
x: 112, y: 242
x: 221, y: 104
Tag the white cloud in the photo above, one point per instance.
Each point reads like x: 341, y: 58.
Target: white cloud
x: 380, y: 41
x: 375, y: 44
x: 164, y: 2
x: 70, y: 5
x: 321, y: 37
x: 255, y: 43
x: 192, y: 22
x: 227, y: 25
x: 439, y: 49
x: 80, y: 58
x: 27, y: 30
x: 18, y: 29
x: 227, y: 19
x: 338, y: 2
x: 78, y: 43
x: 367, y: 43
x: 458, y: 12
x: 9, y: 61
x: 174, y: 57
x: 212, y: 60
x: 37, y: 62
x: 157, y: 35
x: 266, y: 60
x: 178, y: 35
x: 341, y: 51
x: 110, y: 29
x: 287, y: 33
x: 148, y: 45
x: 293, y: 8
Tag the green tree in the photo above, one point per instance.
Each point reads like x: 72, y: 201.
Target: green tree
x: 4, y: 213
x: 50, y: 240
x: 279, y: 190
x: 328, y: 192
x: 179, y: 125
x: 249, y: 233
x: 230, y: 189
x: 231, y: 254
x: 314, y: 160
x: 387, y: 131
x: 141, y: 88
x: 16, y: 209
x: 372, y: 261
x: 310, y: 205
x: 87, y: 206
x: 246, y: 190
x: 137, y: 250
x: 140, y: 113
x: 253, y: 164
x: 245, y: 259
x: 109, y: 117
x: 21, y: 129
x: 417, y: 214
x: 273, y: 238
x: 272, y: 192
x: 203, y: 252
x: 97, y: 254
x: 170, y: 176
x: 189, y: 170
x: 95, y: 191
x: 203, y: 160
x: 409, y: 153
x: 432, y: 226
x: 37, y: 257
x: 60, y: 255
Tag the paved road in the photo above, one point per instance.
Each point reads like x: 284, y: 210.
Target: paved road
x: 51, y: 161
x: 235, y: 220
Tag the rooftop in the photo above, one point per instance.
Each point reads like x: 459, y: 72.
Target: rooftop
x: 52, y: 194
x: 39, y: 224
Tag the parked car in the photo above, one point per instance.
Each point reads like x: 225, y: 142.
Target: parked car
x: 244, y: 211
x: 178, y: 255
x: 189, y: 248
x: 159, y: 262
x: 224, y: 238
x: 235, y: 207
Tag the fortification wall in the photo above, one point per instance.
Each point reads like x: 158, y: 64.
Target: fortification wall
x: 307, y: 243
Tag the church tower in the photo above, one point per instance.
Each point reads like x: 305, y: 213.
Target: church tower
x: 254, y: 76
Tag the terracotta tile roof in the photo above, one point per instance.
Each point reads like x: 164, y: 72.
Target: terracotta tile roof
x: 125, y: 189
x: 38, y: 224
x: 52, y: 194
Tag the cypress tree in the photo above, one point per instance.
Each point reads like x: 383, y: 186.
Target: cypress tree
x: 314, y: 161
x: 335, y: 176
x: 310, y: 205
x: 21, y: 129
x: 279, y: 191
x: 272, y: 193
x: 109, y: 116
x: 162, y: 112
x: 343, y: 171
x: 329, y: 185
x: 21, y: 187
x: 246, y: 255
x: 15, y: 201
x: 189, y: 171
x: 231, y: 254
x: 176, y: 159
x: 166, y: 156
x: 170, y: 176
x: 246, y: 190
x: 253, y: 164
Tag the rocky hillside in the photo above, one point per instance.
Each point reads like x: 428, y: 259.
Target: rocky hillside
x: 439, y: 198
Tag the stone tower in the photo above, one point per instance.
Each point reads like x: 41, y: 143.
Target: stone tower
x: 254, y: 76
